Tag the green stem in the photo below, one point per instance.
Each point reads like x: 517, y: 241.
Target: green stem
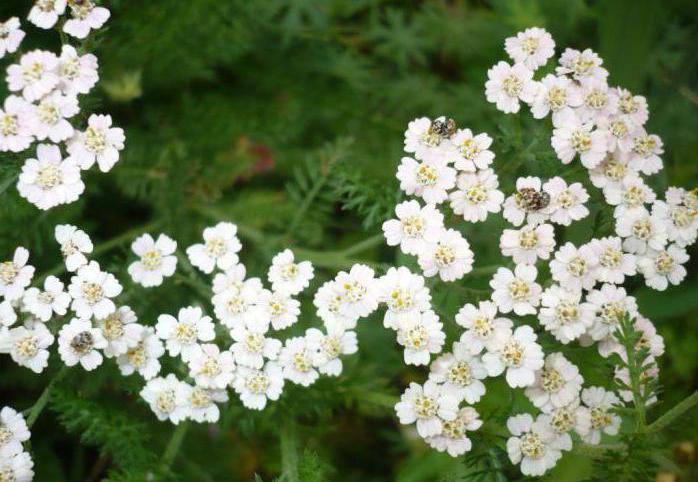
x: 367, y: 243
x: 597, y: 450
x: 43, y: 399
x: 677, y: 411
x: 497, y: 466
x: 289, y: 451
x: 634, y: 372
x: 174, y: 444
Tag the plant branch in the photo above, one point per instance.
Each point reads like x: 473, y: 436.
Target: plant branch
x: 674, y: 413
x: 289, y: 451
x: 43, y: 399
x: 174, y: 444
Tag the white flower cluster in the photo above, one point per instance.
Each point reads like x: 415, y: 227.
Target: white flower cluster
x: 585, y: 299
x: 44, y: 106
x: 16, y: 465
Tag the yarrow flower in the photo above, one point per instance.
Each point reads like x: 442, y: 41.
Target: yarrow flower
x: 80, y: 342
x: 49, y: 180
x: 85, y: 16
x: 182, y: 334
x: 429, y: 406
x: 507, y: 85
x: 92, y: 290
x: 99, y: 143
x: 534, y: 444
x: 287, y: 276
x: 157, y: 259
x: 415, y: 227
x: 45, y: 13
x: 11, y: 35
x: 220, y: 248
x: 74, y: 244
x: 15, y: 275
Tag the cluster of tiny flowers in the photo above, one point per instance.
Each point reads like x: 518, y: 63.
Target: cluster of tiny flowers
x: 585, y: 299
x: 43, y: 107
x: 16, y: 465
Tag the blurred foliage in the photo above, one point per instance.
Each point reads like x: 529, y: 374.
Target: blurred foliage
x: 287, y: 117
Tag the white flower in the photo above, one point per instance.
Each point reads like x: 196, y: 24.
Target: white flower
x: 660, y: 268
x: 251, y: 345
x: 598, y: 101
x: 15, y: 275
x: 641, y: 231
x: 281, y: 309
x: 582, y: 65
x: 645, y: 153
x: 430, y: 180
x: 34, y: 76
x: 414, y: 228
x: 421, y: 336
x: 18, y: 467
x: 77, y: 73
x: 482, y: 327
x: 255, y: 387
x: 49, y: 180
x: 79, y: 342
x: 212, y: 368
x: 634, y: 107
x: 28, y: 346
x: 610, y: 303
x: 570, y: 417
x: 425, y: 138
x: 74, y: 245
x: 10, y: 36
x: 473, y: 150
x: 240, y: 305
x: 574, y: 268
x: 535, y: 445
x: 429, y: 405
x: 8, y: 317
x: 287, y: 276
x: 404, y: 294
x: 182, y: 334
x: 529, y: 201
x: 44, y: 14
x: 517, y: 353
x: 630, y: 195
x: 219, y: 249
x: 614, y: 264
x: 453, y: 438
x: 618, y: 130
x: 43, y: 304
x: 232, y: 279
x: 13, y: 433
x: 611, y: 172
x: 100, y: 143
x: 566, y: 202
x: 296, y: 359
x: 532, y: 47
x: 507, y: 85
x: 85, y: 16
x: 516, y: 291
x: 557, y: 95
x: 92, y: 290
x: 564, y: 315
x: 359, y: 291
x: 477, y: 195
x: 572, y: 136
x: 460, y: 373
x: 49, y: 117
x: 599, y: 403
x: 121, y: 331
x: 15, y: 125
x: 201, y: 403
x: 327, y: 348
x: 680, y: 221
x: 144, y: 357
x: 157, y: 260
x: 450, y: 257
x: 528, y: 244
x: 328, y: 300
x: 167, y: 398
x: 557, y: 384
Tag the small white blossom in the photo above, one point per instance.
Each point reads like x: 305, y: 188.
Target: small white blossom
x: 28, y: 345
x: 281, y: 309
x: 566, y: 202
x: 516, y: 291
x: 477, y: 195
x: 424, y: 139
x: 80, y: 342
x: 157, y: 259
x: 34, y: 76
x: 92, y: 290
x: 461, y: 373
x: 574, y: 137
x: 327, y: 348
x: 296, y: 359
x: 48, y: 180
x: 11, y: 35
x: 359, y: 292
x: 232, y: 279
x: 16, y: 132
x: 328, y: 300
x: 599, y: 404
x: 473, y: 150
x: 532, y: 47
x: 182, y: 334
x: 529, y: 203
x: 201, y: 403
x: 453, y: 438
x: 167, y: 398
x: 414, y: 228
x: 610, y: 303
x: 680, y: 221
x: 645, y: 154
x: 598, y: 101
x: 121, y: 331
x: 77, y: 73
x: 15, y: 275
x: 574, y: 268
x: 85, y: 16
x: 430, y: 180
x: 582, y: 65
x: 528, y: 244
x: 534, y: 445
x: 212, y: 368
x: 563, y: 314
x: 611, y: 172
x: 507, y: 85
x: 614, y: 264
x: 517, y: 353
x: 74, y: 245
x: 44, y: 303
x: 641, y: 231
x: 240, y: 305
x: 144, y: 357
x: 557, y: 384
x: 572, y: 417
x: 219, y: 249
x: 421, y: 336
x: 251, y: 346
x: 429, y: 406
x: 664, y: 267
x: 450, y: 257
x: 629, y: 196
x: 404, y: 294
x: 288, y: 276
x: 99, y: 143
x: 556, y: 95
x: 13, y: 433
x: 18, y: 467
x: 256, y: 387
x: 49, y: 118
x: 482, y: 327
x: 44, y: 14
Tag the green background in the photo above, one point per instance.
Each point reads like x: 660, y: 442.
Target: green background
x: 287, y: 117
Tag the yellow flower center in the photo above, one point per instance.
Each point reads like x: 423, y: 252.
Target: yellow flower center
x: 426, y: 175
x: 664, y: 263
x: 567, y: 312
x: 400, y: 300
x: 512, y: 354
x: 92, y: 292
x: 519, y: 290
x: 528, y: 239
x: 551, y: 380
x: 8, y: 272
x: 460, y: 374
x: 644, y: 145
x: 289, y: 271
x: 532, y: 446
x: 9, y: 125
x: 165, y: 401
x: 476, y: 194
x: 610, y: 258
x: 483, y: 327
x: 48, y: 177
x: 302, y: 362
x: 152, y: 260
x: 577, y: 267
x: 416, y: 337
x: 258, y: 383
x: 581, y: 141
x: 557, y: 98
x: 600, y: 418
x: 113, y: 327
x: 512, y: 86
x: 27, y: 347
x: 444, y: 255
x: 185, y: 333
x: 413, y: 226
x: 469, y: 149
x: 216, y: 247
x: 425, y: 407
